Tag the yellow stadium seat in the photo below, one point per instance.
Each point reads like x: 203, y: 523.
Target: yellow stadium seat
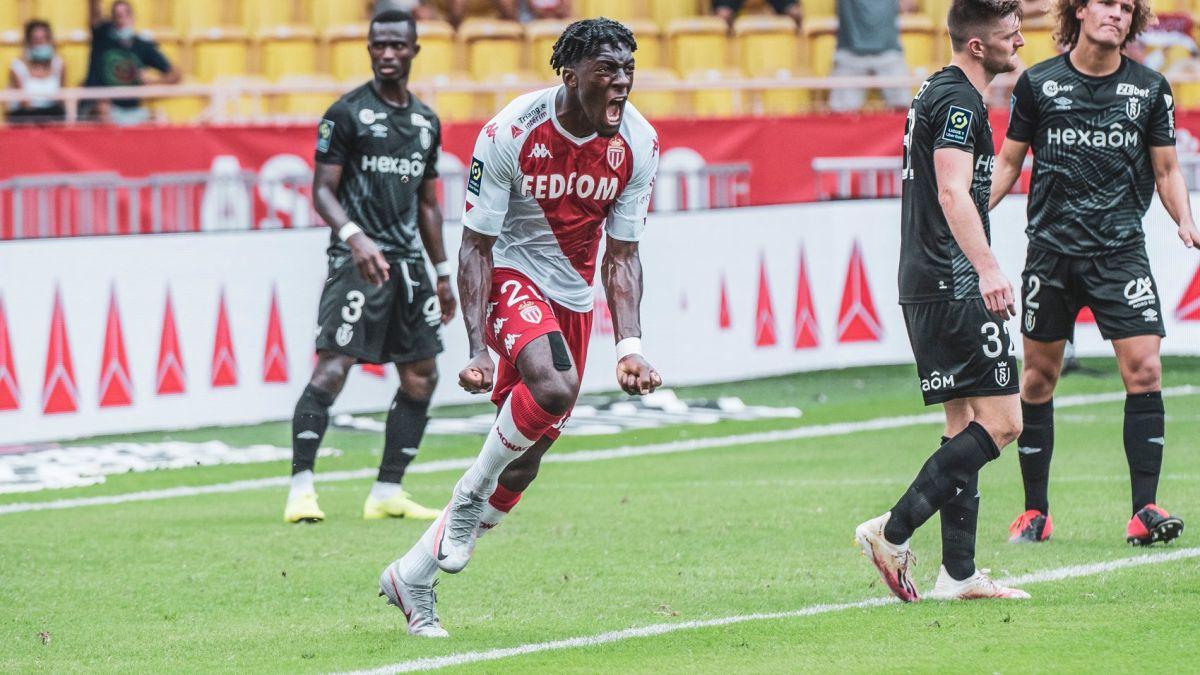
x: 63, y: 15
x: 917, y: 37
x: 649, y: 53
x: 303, y: 104
x: 718, y: 101
x: 219, y: 53
x: 663, y: 12
x: 816, y: 9
x: 439, y: 52
x: 621, y: 10
x: 287, y: 50
x: 327, y: 14
x: 768, y: 47
x: 655, y: 104
x: 698, y: 44
x: 75, y: 47
x: 190, y: 18
x: 152, y: 14
x: 451, y: 106
x: 258, y: 15
x: 540, y: 37
x: 821, y: 37
x: 10, y: 48
x: 11, y: 18
x: 493, y: 48
x: 1039, y: 41
x: 180, y: 109
x: 347, y: 50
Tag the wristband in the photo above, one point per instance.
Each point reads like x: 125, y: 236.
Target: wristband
x: 442, y: 269
x: 630, y: 345
x: 348, y: 230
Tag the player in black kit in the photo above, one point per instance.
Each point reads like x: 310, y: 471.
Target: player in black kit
x: 955, y: 301
x: 374, y: 184
x: 1102, y: 128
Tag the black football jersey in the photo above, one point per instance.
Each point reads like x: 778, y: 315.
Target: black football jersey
x: 947, y: 112
x: 1091, y: 138
x: 385, y: 152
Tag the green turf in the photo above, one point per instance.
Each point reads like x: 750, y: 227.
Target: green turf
x: 217, y: 583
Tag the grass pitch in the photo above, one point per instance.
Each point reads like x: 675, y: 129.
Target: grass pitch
x: 218, y: 583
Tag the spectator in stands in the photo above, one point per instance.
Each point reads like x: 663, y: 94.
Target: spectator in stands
x: 39, y: 73
x: 121, y: 58
x: 422, y: 10
x: 458, y: 10
x: 868, y: 43
x: 728, y: 10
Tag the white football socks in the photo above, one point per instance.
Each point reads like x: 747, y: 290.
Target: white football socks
x: 504, y: 444
x: 489, y: 519
x: 302, y: 482
x: 418, y: 566
x: 382, y: 491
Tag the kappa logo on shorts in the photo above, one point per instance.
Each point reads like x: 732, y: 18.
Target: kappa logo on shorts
x: 531, y: 313
x: 345, y: 333
x: 1139, y: 292
x: 936, y: 382
x: 498, y: 324
x: 509, y: 341
x: 958, y: 125
x: 1003, y: 374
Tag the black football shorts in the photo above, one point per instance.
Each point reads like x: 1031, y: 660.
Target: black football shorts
x: 962, y: 350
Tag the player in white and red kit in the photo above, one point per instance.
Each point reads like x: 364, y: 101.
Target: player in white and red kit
x: 551, y: 173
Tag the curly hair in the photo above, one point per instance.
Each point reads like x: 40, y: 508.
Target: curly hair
x: 584, y: 38
x: 1067, y: 27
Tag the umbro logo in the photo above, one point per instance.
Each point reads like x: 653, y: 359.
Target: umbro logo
x: 539, y: 151
x: 308, y: 435
x: 1028, y: 451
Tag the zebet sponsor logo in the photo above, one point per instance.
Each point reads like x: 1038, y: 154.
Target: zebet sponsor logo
x: 401, y: 166
x: 937, y: 382
x: 557, y: 185
x: 1115, y: 137
x: 1127, y: 89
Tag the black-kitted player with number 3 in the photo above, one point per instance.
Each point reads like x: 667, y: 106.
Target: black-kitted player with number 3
x: 955, y: 301
x: 374, y: 184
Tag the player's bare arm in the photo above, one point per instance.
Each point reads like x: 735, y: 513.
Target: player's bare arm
x: 1173, y: 192
x: 474, y: 287
x: 429, y: 224
x: 621, y: 272
x: 954, y: 171
x: 95, y: 12
x: 1008, y: 169
x: 367, y: 258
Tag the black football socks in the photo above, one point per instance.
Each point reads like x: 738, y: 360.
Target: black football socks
x: 960, y: 519
x: 947, y: 472
x: 308, y: 427
x: 402, y: 434
x: 1036, y: 447
x: 1144, y: 440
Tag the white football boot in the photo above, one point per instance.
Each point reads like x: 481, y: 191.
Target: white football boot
x: 978, y: 586
x: 892, y: 560
x: 455, y: 539
x: 417, y: 602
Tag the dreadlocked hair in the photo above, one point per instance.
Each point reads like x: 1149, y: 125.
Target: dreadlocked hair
x: 584, y: 38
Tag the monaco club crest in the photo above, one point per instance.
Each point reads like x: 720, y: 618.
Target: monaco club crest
x: 531, y: 313
x: 616, y: 153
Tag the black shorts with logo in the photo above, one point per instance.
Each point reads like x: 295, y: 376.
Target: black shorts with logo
x: 962, y: 350
x: 398, y: 322
x: 1118, y: 287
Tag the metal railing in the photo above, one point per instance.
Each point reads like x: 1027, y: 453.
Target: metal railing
x: 230, y: 198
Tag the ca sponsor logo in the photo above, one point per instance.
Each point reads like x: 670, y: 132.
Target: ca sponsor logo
x: 1052, y: 88
x: 498, y: 324
x: 344, y: 334
x: 1127, y: 89
x: 1139, y: 292
x: 531, y: 313
x: 936, y: 382
x: 1003, y: 374
x: 1150, y: 316
x: 539, y: 151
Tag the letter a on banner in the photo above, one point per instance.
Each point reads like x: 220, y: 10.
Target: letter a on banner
x: 10, y: 392
x: 1085, y: 316
x: 275, y: 357
x: 59, y: 394
x: 374, y: 369
x: 857, y: 319
x: 115, y: 386
x: 805, y: 323
x: 764, y: 321
x: 1189, y: 304
x: 224, y: 364
x: 724, y: 321
x: 169, y: 377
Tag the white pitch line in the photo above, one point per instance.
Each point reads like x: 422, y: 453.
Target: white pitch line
x: 672, y: 447
x: 451, y: 660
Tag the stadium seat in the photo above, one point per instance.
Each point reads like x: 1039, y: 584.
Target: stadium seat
x: 346, y: 47
x: 75, y: 47
x: 493, y: 47
x: 219, y: 53
x: 768, y: 47
x: 10, y: 48
x: 153, y: 15
x: 1039, y: 40
x: 191, y: 17
x: 328, y: 14
x: 287, y: 50
x: 655, y: 104
x: 621, y: 10
x: 63, y: 15
x: 649, y: 52
x: 260, y: 15
x: 821, y: 38
x: 450, y: 106
x: 540, y: 37
x: 663, y: 12
x: 817, y: 9
x: 917, y: 37
x: 180, y: 109
x: 302, y: 104
x: 718, y: 101
x: 11, y: 18
x: 698, y: 44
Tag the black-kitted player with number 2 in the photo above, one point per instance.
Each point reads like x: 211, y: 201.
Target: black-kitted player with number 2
x: 374, y: 184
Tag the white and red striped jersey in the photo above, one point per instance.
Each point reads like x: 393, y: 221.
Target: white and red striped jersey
x: 547, y: 195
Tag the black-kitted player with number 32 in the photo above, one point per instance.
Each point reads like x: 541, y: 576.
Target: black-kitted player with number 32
x: 374, y: 184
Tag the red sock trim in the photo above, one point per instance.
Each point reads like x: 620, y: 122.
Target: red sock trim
x: 531, y: 420
x: 504, y: 499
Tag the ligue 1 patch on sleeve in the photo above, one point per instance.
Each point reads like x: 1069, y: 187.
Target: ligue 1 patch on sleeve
x: 958, y: 125
x: 475, y: 178
x: 324, y: 135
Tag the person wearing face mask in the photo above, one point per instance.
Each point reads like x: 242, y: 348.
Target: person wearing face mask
x: 38, y: 72
x: 122, y: 58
